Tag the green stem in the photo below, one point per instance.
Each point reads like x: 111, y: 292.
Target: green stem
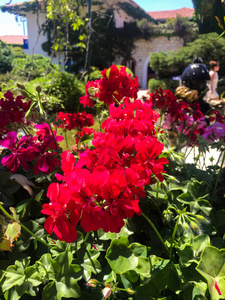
x: 66, y: 139
x: 173, y: 237
x: 86, y: 237
x: 25, y: 130
x: 56, y: 145
x: 217, y: 179
x: 23, y: 226
x: 157, y: 233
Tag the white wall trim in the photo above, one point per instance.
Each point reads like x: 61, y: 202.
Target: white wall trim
x: 144, y: 73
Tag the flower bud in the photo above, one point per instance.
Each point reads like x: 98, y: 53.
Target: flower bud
x: 92, y: 282
x: 106, y: 291
x: 194, y: 226
x: 185, y: 226
x: 130, y: 291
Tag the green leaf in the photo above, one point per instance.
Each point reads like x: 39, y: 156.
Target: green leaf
x: 122, y: 257
x: 68, y: 289
x: 195, y: 190
x: 190, y: 252
x: 15, y: 275
x: 212, y: 268
x: 195, y: 290
x: 163, y: 275
x: 90, y: 263
x: 125, y: 232
x: 58, y: 290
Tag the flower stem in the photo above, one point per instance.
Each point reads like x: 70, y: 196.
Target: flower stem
x: 86, y: 237
x: 218, y: 176
x: 157, y: 233
x: 173, y: 237
x: 23, y: 226
x: 56, y: 145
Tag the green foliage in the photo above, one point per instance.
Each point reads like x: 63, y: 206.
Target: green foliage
x: 6, y: 58
x: 135, y: 12
x: 18, y: 52
x: 212, y: 267
x: 62, y: 91
x: 205, y: 12
x: 167, y: 83
x: 183, y: 28
x: 32, y: 67
x: 173, y: 63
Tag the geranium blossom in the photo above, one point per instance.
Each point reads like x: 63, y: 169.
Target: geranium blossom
x: 21, y: 152
x: 106, y: 183
x: 114, y: 85
x: 214, y: 132
x: 58, y: 221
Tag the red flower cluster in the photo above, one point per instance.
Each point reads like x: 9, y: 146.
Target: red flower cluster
x: 163, y: 99
x: 114, y: 85
x: 12, y: 111
x: 184, y: 118
x: 72, y: 121
x: 103, y: 188
x: 37, y: 149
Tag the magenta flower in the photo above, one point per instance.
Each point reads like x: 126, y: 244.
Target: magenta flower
x: 22, y: 152
x: 47, y: 161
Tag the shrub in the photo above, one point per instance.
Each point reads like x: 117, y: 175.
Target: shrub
x: 165, y: 84
x: 18, y: 52
x: 62, y: 90
x: 6, y: 58
x: 174, y: 63
x: 33, y: 66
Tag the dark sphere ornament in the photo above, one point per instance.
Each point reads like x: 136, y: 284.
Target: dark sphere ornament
x: 195, y: 77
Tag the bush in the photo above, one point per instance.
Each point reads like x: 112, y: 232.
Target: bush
x: 62, y: 91
x: 165, y: 84
x: 33, y: 66
x: 174, y: 63
x: 6, y: 58
x: 18, y: 52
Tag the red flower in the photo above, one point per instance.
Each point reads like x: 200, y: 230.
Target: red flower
x: 114, y: 85
x: 72, y: 121
x: 91, y: 91
x: 147, y: 161
x: 58, y: 221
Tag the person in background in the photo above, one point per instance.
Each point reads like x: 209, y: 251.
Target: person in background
x: 212, y: 92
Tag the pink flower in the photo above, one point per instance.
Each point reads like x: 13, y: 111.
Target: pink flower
x: 106, y: 291
x: 47, y: 161
x: 21, y: 152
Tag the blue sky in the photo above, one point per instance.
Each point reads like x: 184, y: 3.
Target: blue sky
x: 9, y: 26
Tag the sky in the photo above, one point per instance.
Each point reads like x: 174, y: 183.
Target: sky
x: 9, y: 26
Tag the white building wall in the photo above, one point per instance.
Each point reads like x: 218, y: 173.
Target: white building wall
x: 120, y: 17
x: 35, y: 40
x: 143, y: 52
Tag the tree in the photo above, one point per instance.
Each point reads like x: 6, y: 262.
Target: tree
x: 183, y: 28
x: 205, y: 12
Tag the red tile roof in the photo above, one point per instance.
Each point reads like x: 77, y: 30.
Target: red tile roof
x: 13, y: 39
x: 167, y: 14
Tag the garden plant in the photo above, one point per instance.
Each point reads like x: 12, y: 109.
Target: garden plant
x: 120, y: 214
